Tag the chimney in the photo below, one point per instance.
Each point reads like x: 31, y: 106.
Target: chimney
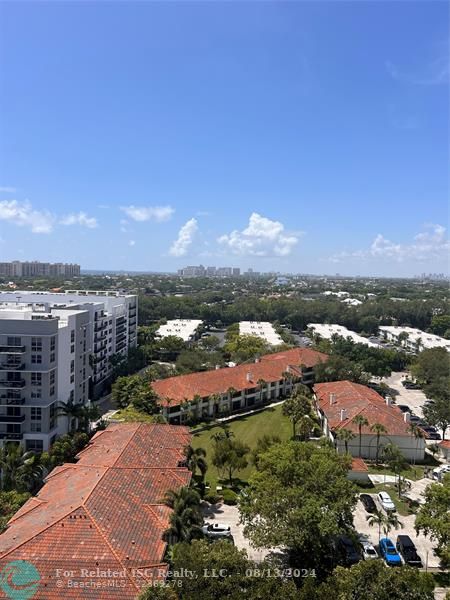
x: 217, y: 367
x: 257, y: 359
x: 388, y: 401
x: 249, y: 377
x: 332, y: 398
x: 407, y: 417
x: 343, y: 414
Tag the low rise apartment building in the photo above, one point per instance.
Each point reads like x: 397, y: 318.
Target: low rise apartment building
x: 413, y: 340
x: 104, y: 515
x: 338, y: 403
x: 262, y: 329
x: 329, y: 331
x: 232, y: 389
x: 186, y: 329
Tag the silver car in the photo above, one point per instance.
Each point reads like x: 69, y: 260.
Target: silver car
x: 216, y: 530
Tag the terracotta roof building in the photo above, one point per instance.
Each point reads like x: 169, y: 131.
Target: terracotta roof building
x: 94, y: 531
x: 235, y: 388
x: 340, y: 402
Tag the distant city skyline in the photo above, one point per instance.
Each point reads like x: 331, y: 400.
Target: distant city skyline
x: 287, y: 137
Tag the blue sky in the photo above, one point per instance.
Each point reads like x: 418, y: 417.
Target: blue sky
x: 300, y: 137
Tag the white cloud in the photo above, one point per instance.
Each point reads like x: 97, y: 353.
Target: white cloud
x: 131, y: 243
x: 262, y: 237
x: 80, y: 218
x: 148, y: 213
x: 184, y: 239
x: 429, y: 244
x: 8, y: 190
x: 436, y: 72
x: 23, y: 215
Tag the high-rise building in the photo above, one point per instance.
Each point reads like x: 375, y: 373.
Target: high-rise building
x: 112, y: 317
x: 17, y: 268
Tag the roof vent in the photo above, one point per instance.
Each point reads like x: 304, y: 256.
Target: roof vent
x: 343, y: 414
x: 407, y: 417
x: 388, y: 401
x: 332, y: 398
x: 249, y: 376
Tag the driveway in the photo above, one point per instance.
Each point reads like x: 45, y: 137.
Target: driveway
x: 415, y: 399
x: 229, y: 515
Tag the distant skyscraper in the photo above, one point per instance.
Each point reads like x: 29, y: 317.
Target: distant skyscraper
x: 17, y: 268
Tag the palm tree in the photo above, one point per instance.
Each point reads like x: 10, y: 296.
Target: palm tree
x: 391, y: 521
x: 216, y: 401
x: 225, y: 434
x: 196, y: 403
x: 345, y: 435
x: 261, y: 383
x: 19, y: 469
x: 195, y: 459
x: 78, y: 413
x: 361, y: 422
x: 287, y: 376
x: 418, y: 434
x: 377, y: 518
x: 186, y: 520
x: 380, y: 430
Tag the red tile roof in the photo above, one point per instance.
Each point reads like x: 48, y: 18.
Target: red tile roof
x: 359, y: 466
x: 270, y: 368
x: 356, y: 399
x: 104, y: 512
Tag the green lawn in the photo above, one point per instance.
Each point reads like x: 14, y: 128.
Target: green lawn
x: 402, y: 507
x: 247, y: 429
x: 414, y: 472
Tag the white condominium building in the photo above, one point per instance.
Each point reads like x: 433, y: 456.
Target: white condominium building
x: 412, y: 339
x: 327, y: 331
x: 262, y: 329
x: 186, y: 329
x: 112, y: 316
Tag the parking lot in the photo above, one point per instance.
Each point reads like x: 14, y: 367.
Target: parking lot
x: 424, y: 545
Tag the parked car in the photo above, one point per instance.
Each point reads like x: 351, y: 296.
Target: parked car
x: 410, y: 385
x: 368, y: 502
x: 368, y: 550
x: 216, y: 530
x: 404, y: 407
x: 346, y: 551
x: 415, y: 419
x: 434, y: 435
x: 386, y: 502
x: 389, y: 553
x: 407, y: 549
x: 439, y: 472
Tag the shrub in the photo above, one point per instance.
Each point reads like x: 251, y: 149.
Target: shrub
x: 212, y: 498
x: 229, y: 497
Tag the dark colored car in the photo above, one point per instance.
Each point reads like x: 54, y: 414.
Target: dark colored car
x: 410, y: 385
x: 433, y: 435
x: 368, y: 503
x: 346, y: 552
x: 404, y: 408
x: 407, y: 549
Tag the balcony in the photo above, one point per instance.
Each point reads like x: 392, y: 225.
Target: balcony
x: 12, y: 419
x: 12, y: 349
x: 12, y: 366
x: 18, y: 383
x: 100, y: 327
x: 9, y: 401
x: 10, y: 436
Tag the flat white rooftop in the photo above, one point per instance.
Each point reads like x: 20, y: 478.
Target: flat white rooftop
x: 262, y: 329
x: 427, y: 340
x: 182, y: 328
x: 327, y: 331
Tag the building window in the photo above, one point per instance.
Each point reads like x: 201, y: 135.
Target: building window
x: 72, y: 349
x: 36, y: 359
x: 14, y: 341
x: 53, y: 343
x: 72, y: 366
x: 52, y: 390
x: 36, y: 394
x: 72, y: 336
x: 72, y: 378
x: 36, y: 344
x: 35, y: 427
x: 52, y: 416
x: 36, y: 413
x: 72, y: 396
x: 34, y: 445
x: 36, y: 378
x: 52, y: 357
x: 52, y: 377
